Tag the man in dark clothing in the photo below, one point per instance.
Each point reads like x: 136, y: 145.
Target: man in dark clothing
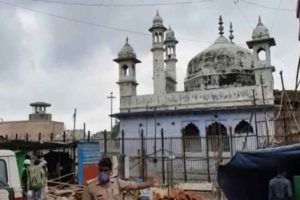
x: 280, y: 188
x: 25, y: 178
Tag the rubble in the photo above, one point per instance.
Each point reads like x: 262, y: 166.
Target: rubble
x: 64, y: 192
x: 175, y: 194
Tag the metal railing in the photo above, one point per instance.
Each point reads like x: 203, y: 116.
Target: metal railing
x: 184, y: 159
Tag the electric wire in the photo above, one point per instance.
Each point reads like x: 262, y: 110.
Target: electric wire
x: 89, y: 23
x: 241, y: 12
x: 275, y: 15
x: 121, y: 5
x: 72, y: 19
x: 266, y: 7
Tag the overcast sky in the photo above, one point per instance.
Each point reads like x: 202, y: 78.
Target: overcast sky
x: 44, y: 57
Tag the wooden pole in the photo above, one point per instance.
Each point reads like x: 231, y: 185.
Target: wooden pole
x: 74, y: 123
x: 163, y: 155
x: 84, y: 131
x: 255, y: 119
x: 231, y: 141
x: 142, y: 156
x: 123, y: 152
x: 105, y: 143
x: 184, y: 157
x: 207, y: 156
x: 264, y: 109
x: 284, y: 116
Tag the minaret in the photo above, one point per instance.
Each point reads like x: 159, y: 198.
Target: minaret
x: 127, y: 74
x: 261, y: 43
x: 159, y: 73
x: 170, y: 50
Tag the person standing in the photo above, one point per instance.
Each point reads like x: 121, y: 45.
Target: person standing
x: 36, y: 180
x: 25, y: 182
x: 105, y: 187
x: 44, y: 175
x: 280, y: 188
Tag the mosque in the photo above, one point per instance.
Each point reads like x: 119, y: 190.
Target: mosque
x: 228, y: 89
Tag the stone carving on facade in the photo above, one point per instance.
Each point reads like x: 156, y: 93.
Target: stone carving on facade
x: 217, y: 97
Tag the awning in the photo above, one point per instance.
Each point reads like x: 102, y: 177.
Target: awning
x: 248, y: 173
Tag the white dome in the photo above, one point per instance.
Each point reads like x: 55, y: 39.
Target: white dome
x: 221, y: 58
x: 126, y: 51
x: 260, y: 31
x: 157, y: 20
x: 170, y: 35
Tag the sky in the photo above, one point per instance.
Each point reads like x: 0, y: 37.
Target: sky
x: 62, y: 51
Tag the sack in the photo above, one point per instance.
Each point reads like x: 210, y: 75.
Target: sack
x: 35, y: 180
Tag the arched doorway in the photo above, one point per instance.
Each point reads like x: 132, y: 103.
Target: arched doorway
x: 217, y: 137
x: 243, y: 127
x: 191, y: 137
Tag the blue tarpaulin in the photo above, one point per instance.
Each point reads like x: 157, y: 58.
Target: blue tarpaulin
x: 248, y: 173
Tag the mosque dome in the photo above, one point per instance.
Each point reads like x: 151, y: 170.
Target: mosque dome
x: 126, y: 51
x: 220, y: 65
x: 221, y: 57
x: 260, y: 31
x: 170, y: 35
x: 157, y: 20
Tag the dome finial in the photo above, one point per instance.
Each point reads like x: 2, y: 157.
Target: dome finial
x: 157, y: 20
x: 126, y: 39
x: 231, y: 31
x: 259, y: 21
x: 221, y: 28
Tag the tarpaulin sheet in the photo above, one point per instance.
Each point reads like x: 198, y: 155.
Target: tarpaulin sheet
x: 248, y: 173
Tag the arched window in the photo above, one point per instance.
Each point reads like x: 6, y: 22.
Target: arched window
x: 133, y: 70
x: 243, y: 127
x: 261, y: 54
x: 156, y: 37
x: 160, y: 37
x: 191, y: 137
x: 217, y: 137
x: 124, y: 70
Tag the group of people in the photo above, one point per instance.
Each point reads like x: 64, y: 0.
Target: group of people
x: 106, y: 187
x: 34, y: 179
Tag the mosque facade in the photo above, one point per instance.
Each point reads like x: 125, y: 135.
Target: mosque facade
x: 228, y: 89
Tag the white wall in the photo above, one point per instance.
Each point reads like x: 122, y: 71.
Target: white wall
x: 131, y: 125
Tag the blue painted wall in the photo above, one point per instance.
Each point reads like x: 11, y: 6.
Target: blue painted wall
x: 88, y: 153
